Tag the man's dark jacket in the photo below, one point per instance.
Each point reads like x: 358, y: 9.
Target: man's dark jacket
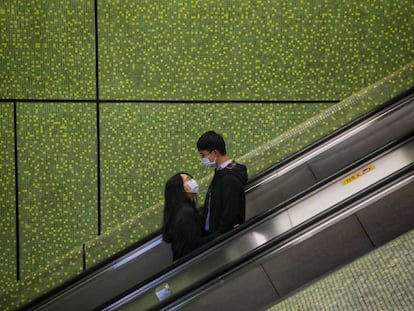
x: 226, y: 198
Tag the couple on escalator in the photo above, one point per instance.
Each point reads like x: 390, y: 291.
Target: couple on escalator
x: 185, y: 226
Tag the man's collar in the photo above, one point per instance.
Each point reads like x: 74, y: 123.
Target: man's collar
x: 224, y: 164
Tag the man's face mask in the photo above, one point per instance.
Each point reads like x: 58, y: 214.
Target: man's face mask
x: 208, y: 163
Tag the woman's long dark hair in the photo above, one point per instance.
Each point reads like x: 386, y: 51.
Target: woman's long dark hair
x: 174, y: 198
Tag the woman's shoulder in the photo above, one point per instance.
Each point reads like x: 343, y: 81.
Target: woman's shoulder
x: 186, y: 211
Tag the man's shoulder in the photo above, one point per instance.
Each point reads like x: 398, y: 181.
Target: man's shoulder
x: 234, y: 165
x: 233, y: 177
x: 235, y: 170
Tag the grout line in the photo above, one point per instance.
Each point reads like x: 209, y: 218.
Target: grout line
x: 162, y: 101
x: 98, y: 144
x: 17, y: 193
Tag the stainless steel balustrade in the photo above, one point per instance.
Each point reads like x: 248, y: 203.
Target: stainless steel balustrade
x: 269, y: 277
x: 256, y: 236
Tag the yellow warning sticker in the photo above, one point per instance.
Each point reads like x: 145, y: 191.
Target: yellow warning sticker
x: 358, y: 174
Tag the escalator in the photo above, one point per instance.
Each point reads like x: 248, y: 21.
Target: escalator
x: 344, y: 219
x: 271, y: 190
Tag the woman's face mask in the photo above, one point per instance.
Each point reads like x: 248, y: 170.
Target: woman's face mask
x: 193, y: 185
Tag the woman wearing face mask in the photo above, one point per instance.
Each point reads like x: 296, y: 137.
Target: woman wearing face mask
x: 182, y: 225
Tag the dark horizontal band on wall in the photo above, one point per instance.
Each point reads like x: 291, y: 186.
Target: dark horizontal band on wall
x: 201, y: 101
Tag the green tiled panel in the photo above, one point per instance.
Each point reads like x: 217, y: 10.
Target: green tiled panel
x: 57, y: 158
x: 7, y: 196
x: 268, y: 49
x: 330, y: 120
x: 142, y: 145
x: 47, y: 49
x: 381, y: 280
x: 55, y: 273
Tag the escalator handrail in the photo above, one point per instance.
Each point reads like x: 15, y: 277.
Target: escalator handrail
x: 384, y: 108
x: 280, y: 242
x: 182, y: 263
x: 84, y: 276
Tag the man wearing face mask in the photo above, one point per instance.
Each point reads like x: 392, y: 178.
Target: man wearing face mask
x: 225, y: 202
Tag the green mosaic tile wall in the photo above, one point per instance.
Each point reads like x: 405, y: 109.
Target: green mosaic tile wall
x: 149, y: 52
x: 7, y: 195
x: 57, y: 163
x: 47, y: 49
x: 268, y: 49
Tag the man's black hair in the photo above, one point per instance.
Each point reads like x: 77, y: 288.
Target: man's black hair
x: 210, y: 141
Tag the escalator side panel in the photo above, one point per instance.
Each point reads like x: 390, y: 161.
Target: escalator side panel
x: 356, y: 147
x: 370, y: 173
x: 121, y: 277
x: 317, y: 255
x: 249, y: 288
x: 270, y: 194
x: 130, y: 274
x: 377, y: 223
x: 335, y: 239
x: 237, y: 290
x: 389, y: 218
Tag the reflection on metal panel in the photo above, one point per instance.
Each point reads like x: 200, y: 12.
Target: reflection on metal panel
x: 336, y: 192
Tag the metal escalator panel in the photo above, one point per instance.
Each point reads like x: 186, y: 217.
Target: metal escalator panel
x: 288, y: 266
x: 256, y: 236
x: 330, y: 156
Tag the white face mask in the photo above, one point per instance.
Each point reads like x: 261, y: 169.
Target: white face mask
x: 194, y: 187
x: 208, y: 163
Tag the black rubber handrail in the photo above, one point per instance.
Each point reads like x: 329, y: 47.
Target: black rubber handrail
x: 269, y: 213
x: 286, y: 237
x: 280, y: 240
